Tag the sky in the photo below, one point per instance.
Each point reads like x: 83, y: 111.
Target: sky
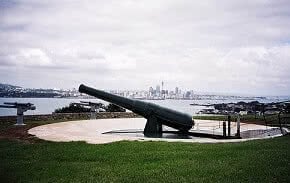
x: 220, y: 46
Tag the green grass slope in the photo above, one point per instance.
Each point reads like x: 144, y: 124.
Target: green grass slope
x: 253, y: 161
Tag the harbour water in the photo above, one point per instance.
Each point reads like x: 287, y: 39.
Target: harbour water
x: 48, y: 105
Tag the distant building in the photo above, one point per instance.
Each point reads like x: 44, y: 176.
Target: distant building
x: 151, y: 91
x: 188, y: 95
x: 191, y: 93
x: 158, y: 90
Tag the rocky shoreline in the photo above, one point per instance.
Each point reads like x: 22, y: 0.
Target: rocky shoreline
x: 253, y: 107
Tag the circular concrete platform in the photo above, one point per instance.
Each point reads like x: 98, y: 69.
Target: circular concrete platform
x: 111, y: 130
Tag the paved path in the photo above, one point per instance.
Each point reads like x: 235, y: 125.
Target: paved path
x: 92, y: 131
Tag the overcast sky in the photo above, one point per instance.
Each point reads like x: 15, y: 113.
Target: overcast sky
x: 214, y: 46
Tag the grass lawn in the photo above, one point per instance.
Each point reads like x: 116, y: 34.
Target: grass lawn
x: 26, y: 159
x: 253, y: 161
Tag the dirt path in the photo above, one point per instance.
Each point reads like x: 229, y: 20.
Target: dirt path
x: 19, y: 133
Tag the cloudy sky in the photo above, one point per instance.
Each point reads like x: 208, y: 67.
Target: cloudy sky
x: 214, y: 46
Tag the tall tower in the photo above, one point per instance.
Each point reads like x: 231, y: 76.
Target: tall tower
x: 162, y: 90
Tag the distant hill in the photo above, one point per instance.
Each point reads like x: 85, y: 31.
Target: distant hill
x: 7, y: 86
x: 7, y: 90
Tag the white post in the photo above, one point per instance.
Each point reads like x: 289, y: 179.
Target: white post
x: 20, y: 111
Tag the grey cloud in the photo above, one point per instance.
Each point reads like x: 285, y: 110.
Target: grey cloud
x: 205, y: 45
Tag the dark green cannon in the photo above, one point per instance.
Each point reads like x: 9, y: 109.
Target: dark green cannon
x: 156, y: 115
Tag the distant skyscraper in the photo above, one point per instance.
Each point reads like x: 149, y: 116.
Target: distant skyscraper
x: 157, y: 89
x: 187, y: 94
x: 176, y: 90
x: 162, y: 89
x: 151, y: 91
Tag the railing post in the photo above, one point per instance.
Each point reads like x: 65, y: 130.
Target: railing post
x: 239, y: 126
x: 229, y: 125
x: 279, y: 120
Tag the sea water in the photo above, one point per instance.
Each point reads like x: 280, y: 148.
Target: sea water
x: 48, y: 105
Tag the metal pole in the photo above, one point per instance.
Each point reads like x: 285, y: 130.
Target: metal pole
x: 279, y: 120
x: 229, y: 125
x: 20, y: 111
x: 239, y: 126
x: 93, y: 112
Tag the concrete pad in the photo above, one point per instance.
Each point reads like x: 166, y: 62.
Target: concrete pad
x: 91, y: 131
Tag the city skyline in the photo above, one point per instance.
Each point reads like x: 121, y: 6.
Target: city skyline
x: 150, y: 93
x: 233, y: 47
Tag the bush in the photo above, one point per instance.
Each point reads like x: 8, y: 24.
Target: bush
x: 72, y: 108
x: 115, y: 108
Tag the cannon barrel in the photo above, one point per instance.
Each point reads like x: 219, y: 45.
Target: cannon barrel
x: 155, y: 114
x: 29, y: 106
x: 7, y: 106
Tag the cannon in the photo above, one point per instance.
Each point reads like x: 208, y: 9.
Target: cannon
x: 21, y: 108
x: 156, y: 115
x: 94, y: 107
